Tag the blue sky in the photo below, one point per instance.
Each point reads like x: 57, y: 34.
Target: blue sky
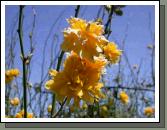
x: 134, y: 24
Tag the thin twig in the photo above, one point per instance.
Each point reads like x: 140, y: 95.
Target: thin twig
x: 23, y: 58
x: 109, y: 20
x: 57, y: 114
x: 129, y: 88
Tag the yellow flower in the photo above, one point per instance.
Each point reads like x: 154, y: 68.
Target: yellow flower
x: 49, y: 108
x: 15, y: 101
x: 79, y: 80
x: 148, y: 111
x: 112, y: 53
x: 30, y: 115
x: 84, y: 38
x: 10, y: 74
x: 124, y: 97
x: 53, y: 72
x: 22, y: 112
x: 18, y: 115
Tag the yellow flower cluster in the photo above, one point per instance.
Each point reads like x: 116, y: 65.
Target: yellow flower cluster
x: 83, y: 67
x: 78, y: 80
x: 124, y: 97
x: 87, y: 40
x: 148, y: 111
x: 20, y: 114
x: 10, y: 74
x: 15, y: 101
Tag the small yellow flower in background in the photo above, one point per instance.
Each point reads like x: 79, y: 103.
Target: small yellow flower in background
x: 13, y: 72
x: 22, y: 112
x: 124, y: 97
x: 30, y: 115
x: 79, y: 80
x: 10, y: 74
x: 49, y: 108
x: 112, y: 53
x: 18, y: 115
x: 15, y: 101
x: 148, y: 111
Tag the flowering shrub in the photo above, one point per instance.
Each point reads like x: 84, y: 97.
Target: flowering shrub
x: 83, y: 68
x: 77, y: 86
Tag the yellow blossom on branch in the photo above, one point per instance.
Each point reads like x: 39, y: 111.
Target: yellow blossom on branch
x: 20, y: 114
x: 10, y: 74
x: 112, y: 53
x: 148, y: 111
x: 49, y: 108
x: 79, y: 79
x: 30, y: 115
x: 124, y: 97
x: 15, y: 101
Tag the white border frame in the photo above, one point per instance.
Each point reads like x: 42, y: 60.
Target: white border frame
x: 155, y: 3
